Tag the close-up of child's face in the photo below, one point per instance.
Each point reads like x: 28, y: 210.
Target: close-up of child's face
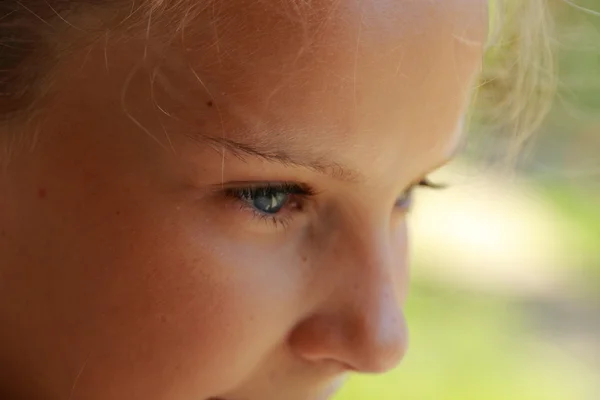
x: 216, y: 207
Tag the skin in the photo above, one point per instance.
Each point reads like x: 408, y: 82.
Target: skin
x: 128, y: 272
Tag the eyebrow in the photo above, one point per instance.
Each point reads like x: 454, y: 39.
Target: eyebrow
x: 275, y: 154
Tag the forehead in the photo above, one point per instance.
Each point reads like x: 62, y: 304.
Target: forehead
x: 355, y: 80
x: 339, y: 69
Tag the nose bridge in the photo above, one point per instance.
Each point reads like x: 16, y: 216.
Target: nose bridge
x: 372, y: 258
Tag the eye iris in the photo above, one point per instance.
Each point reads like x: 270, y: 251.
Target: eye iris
x: 270, y: 202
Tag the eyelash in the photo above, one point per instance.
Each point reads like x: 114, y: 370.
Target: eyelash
x: 423, y: 183
x: 296, y: 196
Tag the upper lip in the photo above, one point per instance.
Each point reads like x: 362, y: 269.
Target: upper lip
x: 323, y: 395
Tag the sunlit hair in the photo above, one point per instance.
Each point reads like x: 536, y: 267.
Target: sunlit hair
x: 519, y: 76
x: 515, y: 91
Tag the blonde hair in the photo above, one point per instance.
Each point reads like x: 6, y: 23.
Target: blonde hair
x: 519, y: 78
x: 515, y: 92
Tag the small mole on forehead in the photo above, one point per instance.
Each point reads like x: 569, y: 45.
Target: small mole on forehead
x: 42, y: 193
x: 209, y: 103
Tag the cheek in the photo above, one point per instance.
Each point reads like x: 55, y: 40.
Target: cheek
x: 149, y: 295
x: 202, y: 304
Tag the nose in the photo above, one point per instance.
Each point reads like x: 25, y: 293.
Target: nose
x: 361, y: 325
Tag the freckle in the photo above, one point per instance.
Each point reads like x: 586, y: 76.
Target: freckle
x: 304, y: 259
x: 118, y: 213
x: 209, y: 103
x: 42, y: 193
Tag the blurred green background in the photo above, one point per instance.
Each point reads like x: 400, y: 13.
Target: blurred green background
x: 505, y: 301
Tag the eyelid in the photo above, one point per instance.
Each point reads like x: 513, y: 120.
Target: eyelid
x: 291, y: 186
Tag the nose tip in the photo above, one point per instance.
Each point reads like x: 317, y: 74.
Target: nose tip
x: 377, y: 346
x: 366, y: 342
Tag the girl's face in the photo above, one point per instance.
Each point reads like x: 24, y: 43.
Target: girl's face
x: 220, y: 213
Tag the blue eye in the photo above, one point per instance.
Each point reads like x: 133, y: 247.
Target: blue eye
x: 266, y: 200
x: 270, y: 199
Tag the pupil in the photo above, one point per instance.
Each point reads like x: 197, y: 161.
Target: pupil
x: 270, y: 203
